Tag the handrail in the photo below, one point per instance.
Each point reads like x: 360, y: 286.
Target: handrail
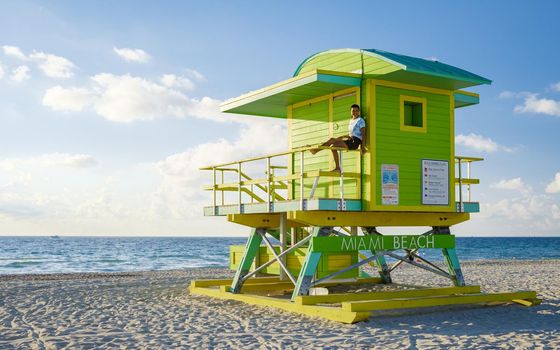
x: 468, y: 181
x: 270, y: 182
x: 294, y: 150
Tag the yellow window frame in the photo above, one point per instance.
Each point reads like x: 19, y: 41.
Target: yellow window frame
x: 414, y: 99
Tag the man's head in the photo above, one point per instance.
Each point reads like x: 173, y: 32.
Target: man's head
x: 355, y: 110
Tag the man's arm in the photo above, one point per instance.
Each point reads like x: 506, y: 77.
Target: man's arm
x: 363, y: 148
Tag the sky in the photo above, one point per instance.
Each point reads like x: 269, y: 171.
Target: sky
x: 108, y: 109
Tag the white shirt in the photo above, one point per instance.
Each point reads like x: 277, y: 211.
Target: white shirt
x: 355, y: 126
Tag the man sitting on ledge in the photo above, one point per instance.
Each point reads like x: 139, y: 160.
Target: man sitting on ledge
x: 356, y: 137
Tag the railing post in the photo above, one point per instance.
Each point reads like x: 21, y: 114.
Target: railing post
x: 214, y: 189
x: 239, y: 187
x: 268, y: 177
x: 468, y: 177
x: 342, y: 203
x: 301, y: 188
x: 460, y: 187
x: 222, y: 191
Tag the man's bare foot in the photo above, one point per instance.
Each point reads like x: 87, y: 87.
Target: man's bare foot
x: 335, y: 170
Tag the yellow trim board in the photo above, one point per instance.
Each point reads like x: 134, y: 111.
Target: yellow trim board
x: 424, y: 103
x: 408, y: 293
x: 330, y: 313
x: 357, y: 306
x: 358, y: 218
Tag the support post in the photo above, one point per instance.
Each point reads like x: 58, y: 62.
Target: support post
x: 309, y: 267
x: 451, y: 259
x: 283, y: 242
x: 251, y: 250
x: 382, y: 267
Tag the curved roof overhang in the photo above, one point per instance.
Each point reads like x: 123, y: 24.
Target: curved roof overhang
x: 273, y: 101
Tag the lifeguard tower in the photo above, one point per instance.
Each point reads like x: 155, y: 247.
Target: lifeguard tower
x: 312, y: 228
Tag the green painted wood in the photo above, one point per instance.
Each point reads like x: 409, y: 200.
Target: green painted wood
x: 405, y: 148
x: 308, y: 269
x: 453, y: 266
x: 391, y: 66
x: 353, y: 243
x: 251, y: 250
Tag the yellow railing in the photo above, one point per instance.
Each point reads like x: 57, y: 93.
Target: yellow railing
x: 461, y: 181
x: 265, y: 189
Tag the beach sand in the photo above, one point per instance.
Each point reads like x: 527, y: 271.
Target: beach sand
x: 153, y: 310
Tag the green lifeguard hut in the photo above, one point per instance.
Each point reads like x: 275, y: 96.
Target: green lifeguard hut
x: 328, y: 223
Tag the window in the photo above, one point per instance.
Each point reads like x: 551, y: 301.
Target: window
x: 413, y: 113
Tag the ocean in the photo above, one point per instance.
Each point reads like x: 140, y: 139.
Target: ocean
x: 23, y: 255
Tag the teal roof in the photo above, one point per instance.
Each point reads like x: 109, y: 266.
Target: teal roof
x: 436, y: 68
x: 395, y: 67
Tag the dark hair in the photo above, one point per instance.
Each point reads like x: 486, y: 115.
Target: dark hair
x: 355, y: 106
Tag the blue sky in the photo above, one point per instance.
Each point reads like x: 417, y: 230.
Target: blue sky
x: 108, y: 108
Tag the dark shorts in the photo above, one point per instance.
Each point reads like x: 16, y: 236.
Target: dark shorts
x: 353, y: 142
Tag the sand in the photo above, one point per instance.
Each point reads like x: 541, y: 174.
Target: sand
x: 153, y: 310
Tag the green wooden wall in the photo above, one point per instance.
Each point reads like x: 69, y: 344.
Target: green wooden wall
x: 314, y: 123
x: 408, y: 148
x: 309, y: 126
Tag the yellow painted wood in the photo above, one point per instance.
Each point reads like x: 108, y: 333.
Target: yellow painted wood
x: 468, y: 181
x: 261, y: 287
x: 527, y: 302
x: 330, y: 313
x: 422, y: 100
x: 468, y: 159
x: 412, y: 87
x: 435, y: 301
x: 364, y: 219
x: 322, y: 173
x: 255, y: 220
x: 221, y: 282
x: 468, y: 93
x: 410, y: 293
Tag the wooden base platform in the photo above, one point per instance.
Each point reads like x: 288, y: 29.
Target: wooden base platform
x: 353, y: 307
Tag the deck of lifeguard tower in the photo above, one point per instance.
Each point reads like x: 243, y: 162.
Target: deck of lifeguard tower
x: 327, y: 224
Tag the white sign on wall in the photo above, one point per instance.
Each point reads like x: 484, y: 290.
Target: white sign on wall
x: 389, y: 184
x: 435, y: 182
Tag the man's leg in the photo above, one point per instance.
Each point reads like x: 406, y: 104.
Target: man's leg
x: 330, y: 142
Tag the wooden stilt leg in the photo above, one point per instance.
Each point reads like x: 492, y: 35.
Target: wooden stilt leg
x: 251, y: 251
x: 382, y: 266
x: 453, y: 266
x: 309, y: 265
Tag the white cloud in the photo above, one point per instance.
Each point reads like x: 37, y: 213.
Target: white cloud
x: 195, y: 74
x: 480, y: 143
x: 554, y: 186
x: 132, y: 55
x: 556, y: 87
x: 512, y: 184
x: 173, y: 81
x: 20, y: 74
x: 50, y: 159
x: 14, y: 51
x: 1, y: 71
x: 180, y: 194
x: 534, y: 104
x: 71, y: 99
x: 125, y: 99
x: 54, y: 66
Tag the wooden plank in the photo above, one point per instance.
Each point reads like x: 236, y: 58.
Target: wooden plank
x: 221, y: 282
x: 356, y: 306
x: 410, y: 293
x: 329, y: 313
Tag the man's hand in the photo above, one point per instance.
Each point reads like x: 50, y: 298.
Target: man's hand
x: 363, y: 150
